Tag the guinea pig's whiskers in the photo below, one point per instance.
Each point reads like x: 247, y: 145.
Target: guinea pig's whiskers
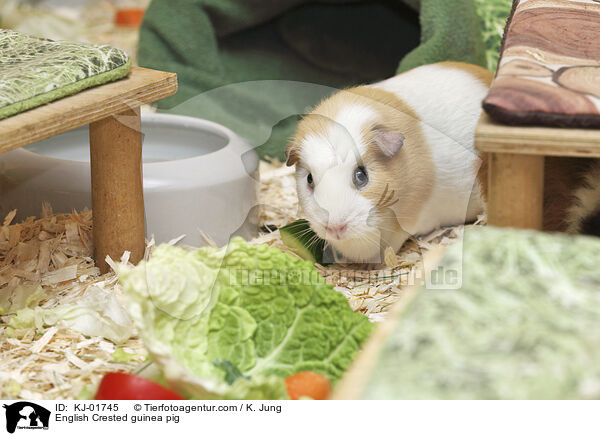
x: 382, y: 197
x: 304, y: 232
x: 368, y: 238
x: 387, y: 198
x: 313, y: 241
x: 392, y: 203
x: 296, y: 224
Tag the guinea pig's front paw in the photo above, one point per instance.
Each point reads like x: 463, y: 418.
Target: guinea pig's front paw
x: 360, y: 266
x: 371, y: 266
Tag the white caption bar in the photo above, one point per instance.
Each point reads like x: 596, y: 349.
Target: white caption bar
x: 88, y: 418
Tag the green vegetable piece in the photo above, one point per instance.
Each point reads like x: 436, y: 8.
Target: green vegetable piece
x: 258, y: 388
x: 265, y: 312
x: 232, y: 372
x: 88, y: 392
x: 122, y: 356
x: 303, y: 241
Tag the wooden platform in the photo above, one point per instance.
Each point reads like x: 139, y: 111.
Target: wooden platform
x: 112, y: 111
x: 548, y: 75
x: 142, y: 86
x: 516, y: 158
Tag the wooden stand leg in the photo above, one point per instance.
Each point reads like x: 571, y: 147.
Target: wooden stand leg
x: 515, y: 190
x: 117, y: 191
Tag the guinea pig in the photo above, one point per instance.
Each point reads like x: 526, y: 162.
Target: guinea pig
x: 378, y: 163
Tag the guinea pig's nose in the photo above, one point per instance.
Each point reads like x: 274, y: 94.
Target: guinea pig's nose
x: 336, y: 230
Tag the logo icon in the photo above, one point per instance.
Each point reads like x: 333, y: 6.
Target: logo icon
x: 26, y: 415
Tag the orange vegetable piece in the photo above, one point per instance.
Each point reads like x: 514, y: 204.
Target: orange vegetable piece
x: 308, y: 384
x: 130, y: 17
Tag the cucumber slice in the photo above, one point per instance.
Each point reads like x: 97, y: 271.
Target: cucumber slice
x: 303, y: 241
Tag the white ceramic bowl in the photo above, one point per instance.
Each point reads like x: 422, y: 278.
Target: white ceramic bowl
x: 198, y: 175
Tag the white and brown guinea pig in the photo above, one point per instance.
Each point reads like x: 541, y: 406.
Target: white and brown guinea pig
x: 378, y: 163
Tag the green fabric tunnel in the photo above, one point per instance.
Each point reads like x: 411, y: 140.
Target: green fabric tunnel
x: 256, y: 65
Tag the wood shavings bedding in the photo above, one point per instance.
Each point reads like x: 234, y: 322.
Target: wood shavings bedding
x: 54, y: 254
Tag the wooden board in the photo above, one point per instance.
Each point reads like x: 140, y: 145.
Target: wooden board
x: 547, y: 141
x: 142, y: 86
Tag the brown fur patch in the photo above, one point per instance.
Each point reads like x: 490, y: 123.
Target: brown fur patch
x: 292, y: 154
x: 562, y: 176
x: 403, y: 182
x: 317, y: 122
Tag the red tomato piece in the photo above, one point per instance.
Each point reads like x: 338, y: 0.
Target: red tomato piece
x: 122, y: 386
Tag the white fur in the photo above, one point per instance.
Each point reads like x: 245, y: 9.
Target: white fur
x: 448, y: 101
x: 334, y: 201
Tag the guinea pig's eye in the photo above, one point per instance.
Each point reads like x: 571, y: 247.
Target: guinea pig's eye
x: 310, y: 181
x: 360, y: 177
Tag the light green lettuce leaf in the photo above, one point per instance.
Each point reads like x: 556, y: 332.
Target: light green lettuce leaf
x: 265, y: 311
x: 122, y: 356
x: 97, y: 313
x: 21, y: 297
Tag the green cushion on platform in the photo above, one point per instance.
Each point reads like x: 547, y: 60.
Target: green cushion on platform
x: 35, y: 71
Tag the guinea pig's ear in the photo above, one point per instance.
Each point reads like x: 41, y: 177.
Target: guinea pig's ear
x: 292, y: 153
x: 388, y: 141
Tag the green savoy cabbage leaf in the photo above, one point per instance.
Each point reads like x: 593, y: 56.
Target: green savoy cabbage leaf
x: 264, y: 311
x: 259, y: 387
